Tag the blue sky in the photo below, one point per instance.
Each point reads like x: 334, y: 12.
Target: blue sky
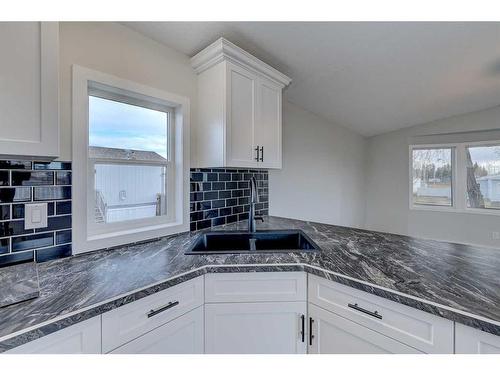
x: 120, y: 125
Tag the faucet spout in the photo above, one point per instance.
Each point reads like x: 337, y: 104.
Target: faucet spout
x: 254, y: 198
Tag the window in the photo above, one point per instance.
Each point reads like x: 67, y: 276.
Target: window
x: 483, y: 176
x: 128, y: 147
x: 130, y: 161
x: 460, y: 177
x: 432, y: 176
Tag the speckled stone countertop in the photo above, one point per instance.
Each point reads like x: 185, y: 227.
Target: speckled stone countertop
x: 458, y: 282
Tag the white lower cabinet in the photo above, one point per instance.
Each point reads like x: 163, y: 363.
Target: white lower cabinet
x: 183, y: 335
x: 80, y: 338
x: 469, y: 340
x: 330, y: 333
x: 252, y: 328
x: 268, y: 313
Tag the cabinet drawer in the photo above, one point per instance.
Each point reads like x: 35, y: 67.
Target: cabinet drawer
x: 469, y: 340
x: 130, y: 321
x: 333, y: 334
x: 255, y: 287
x: 421, y: 330
x: 183, y: 335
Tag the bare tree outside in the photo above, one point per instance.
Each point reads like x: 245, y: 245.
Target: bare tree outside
x: 432, y: 176
x: 483, y: 176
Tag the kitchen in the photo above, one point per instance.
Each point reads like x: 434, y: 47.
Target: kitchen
x: 218, y: 193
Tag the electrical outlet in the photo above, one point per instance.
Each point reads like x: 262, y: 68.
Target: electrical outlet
x: 495, y: 235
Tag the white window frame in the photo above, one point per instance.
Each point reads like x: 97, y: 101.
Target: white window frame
x: 459, y: 179
x: 87, y: 235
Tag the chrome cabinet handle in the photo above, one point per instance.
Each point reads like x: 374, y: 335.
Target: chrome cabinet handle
x: 168, y: 306
x: 258, y: 152
x: 355, y: 306
x: 262, y: 154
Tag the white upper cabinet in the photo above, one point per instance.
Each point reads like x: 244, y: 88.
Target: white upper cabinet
x: 240, y: 102
x: 29, y: 89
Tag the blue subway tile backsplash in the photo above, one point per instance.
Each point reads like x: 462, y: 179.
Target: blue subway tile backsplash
x: 221, y: 196
x: 23, y: 182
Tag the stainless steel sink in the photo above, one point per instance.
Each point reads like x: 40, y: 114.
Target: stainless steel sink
x: 231, y: 242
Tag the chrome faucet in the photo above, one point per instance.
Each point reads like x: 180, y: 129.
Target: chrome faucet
x: 254, y: 198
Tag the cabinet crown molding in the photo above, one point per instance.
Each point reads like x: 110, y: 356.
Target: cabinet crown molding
x: 222, y: 50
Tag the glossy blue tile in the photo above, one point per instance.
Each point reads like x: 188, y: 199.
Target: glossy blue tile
x: 203, y: 224
x: 4, y: 178
x: 32, y: 241
x: 16, y: 258
x: 18, y: 194
x: 50, y: 253
x: 4, y: 212
x: 56, y: 223
x: 25, y: 178
x: 63, y: 178
x: 52, y: 165
x: 13, y: 228
x: 63, y: 208
x: 63, y: 236
x: 15, y: 164
x: 4, y: 245
x: 52, y: 193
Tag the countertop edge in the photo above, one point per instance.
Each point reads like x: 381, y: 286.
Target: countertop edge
x: 28, y: 334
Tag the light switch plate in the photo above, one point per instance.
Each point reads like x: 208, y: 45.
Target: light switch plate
x: 35, y: 215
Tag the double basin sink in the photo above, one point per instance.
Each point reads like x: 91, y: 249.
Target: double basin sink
x: 231, y: 242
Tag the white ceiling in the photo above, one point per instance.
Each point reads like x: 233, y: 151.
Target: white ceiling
x: 370, y: 77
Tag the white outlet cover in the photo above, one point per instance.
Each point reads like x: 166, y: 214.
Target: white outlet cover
x: 35, y: 215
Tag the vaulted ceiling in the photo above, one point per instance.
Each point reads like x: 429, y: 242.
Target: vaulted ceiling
x: 371, y: 77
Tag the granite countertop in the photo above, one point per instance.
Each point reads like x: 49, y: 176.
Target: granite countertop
x: 455, y: 281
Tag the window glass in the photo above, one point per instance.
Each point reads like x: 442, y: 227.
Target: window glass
x: 483, y: 176
x: 432, y: 176
x: 128, y: 146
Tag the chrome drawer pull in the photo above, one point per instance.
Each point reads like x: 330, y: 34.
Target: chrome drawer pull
x: 355, y: 306
x: 163, y: 308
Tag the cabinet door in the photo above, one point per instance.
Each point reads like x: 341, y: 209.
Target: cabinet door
x: 241, y: 97
x: 469, y: 340
x: 253, y: 328
x: 333, y: 334
x: 268, y: 124
x: 29, y: 87
x: 80, y: 338
x: 183, y: 335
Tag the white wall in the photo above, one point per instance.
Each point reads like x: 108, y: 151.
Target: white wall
x: 387, y: 186
x: 323, y: 171
x: 115, y: 49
